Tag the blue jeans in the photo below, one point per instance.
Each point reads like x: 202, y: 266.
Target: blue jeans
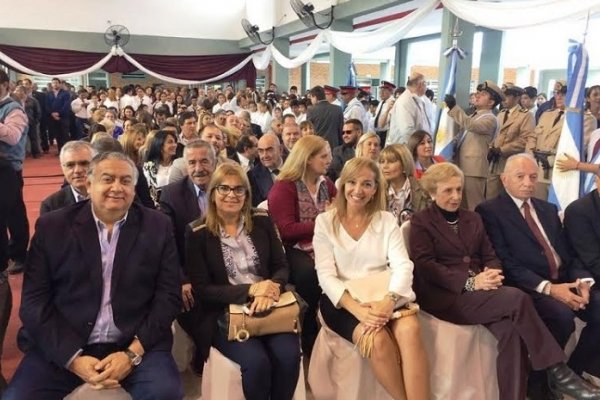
x: 270, y: 364
x: 156, y: 378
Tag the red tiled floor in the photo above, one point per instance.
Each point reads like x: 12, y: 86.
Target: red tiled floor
x: 42, y: 177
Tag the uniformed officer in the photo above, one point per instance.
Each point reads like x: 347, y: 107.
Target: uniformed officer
x: 547, y: 134
x: 516, y: 125
x: 331, y: 95
x: 382, y: 113
x: 473, y: 145
x: 354, y: 108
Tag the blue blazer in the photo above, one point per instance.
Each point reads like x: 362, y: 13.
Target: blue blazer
x: 62, y: 286
x: 522, y: 256
x: 261, y: 182
x: 582, y: 225
x: 178, y: 200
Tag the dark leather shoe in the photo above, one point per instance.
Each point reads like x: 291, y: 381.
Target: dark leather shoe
x: 563, y: 380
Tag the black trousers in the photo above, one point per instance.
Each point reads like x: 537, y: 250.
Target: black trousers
x: 304, y: 277
x: 59, y: 130
x: 5, y: 310
x: 18, y: 227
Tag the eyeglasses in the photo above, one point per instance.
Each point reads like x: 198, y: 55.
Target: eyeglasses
x: 73, y: 164
x: 347, y: 132
x: 224, y: 190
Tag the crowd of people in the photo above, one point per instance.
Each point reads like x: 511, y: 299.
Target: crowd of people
x: 179, y: 202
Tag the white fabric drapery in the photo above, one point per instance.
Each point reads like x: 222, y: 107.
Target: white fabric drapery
x: 386, y: 36
x: 520, y: 14
x: 259, y: 59
x: 18, y: 66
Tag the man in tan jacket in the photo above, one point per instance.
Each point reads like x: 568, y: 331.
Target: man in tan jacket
x: 473, y: 145
x: 516, y: 129
x: 547, y: 134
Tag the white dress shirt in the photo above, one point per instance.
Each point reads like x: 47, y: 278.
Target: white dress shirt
x: 407, y: 116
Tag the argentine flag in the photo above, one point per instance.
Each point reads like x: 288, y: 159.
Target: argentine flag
x: 569, y: 186
x: 444, y: 132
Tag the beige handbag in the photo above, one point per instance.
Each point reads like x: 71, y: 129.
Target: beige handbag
x: 370, y: 288
x: 284, y: 317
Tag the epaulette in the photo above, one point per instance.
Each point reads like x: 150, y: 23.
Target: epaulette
x: 197, y: 224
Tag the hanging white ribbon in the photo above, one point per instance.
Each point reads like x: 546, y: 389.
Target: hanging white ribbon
x: 520, y: 14
x: 386, y: 36
x: 305, y: 56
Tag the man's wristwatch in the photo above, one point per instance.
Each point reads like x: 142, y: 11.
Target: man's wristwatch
x: 135, y: 359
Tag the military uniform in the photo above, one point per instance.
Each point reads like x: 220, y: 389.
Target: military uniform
x: 473, y: 145
x: 516, y: 130
x: 547, y: 134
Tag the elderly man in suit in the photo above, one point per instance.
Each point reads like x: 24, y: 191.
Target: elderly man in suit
x: 327, y: 118
x: 473, y: 145
x: 100, y: 292
x: 263, y: 174
x: 75, y: 158
x: 582, y: 227
x: 527, y: 235
x: 516, y: 130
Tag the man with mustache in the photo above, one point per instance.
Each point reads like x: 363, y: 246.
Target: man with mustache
x: 186, y: 201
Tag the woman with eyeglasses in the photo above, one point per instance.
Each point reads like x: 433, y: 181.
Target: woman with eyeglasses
x: 236, y: 257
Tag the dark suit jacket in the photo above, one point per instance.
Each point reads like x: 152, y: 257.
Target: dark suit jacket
x: 339, y: 156
x: 582, y: 227
x: 328, y: 120
x: 62, y: 287
x: 522, y: 255
x: 206, y: 269
x: 178, y: 200
x: 443, y: 258
x: 261, y: 182
x: 64, y: 197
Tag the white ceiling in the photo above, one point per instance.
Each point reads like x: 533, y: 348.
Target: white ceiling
x: 198, y: 19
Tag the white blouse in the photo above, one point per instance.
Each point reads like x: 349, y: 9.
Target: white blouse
x: 339, y: 258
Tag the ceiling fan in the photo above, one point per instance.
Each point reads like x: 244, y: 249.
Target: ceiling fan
x: 253, y: 32
x: 307, y: 15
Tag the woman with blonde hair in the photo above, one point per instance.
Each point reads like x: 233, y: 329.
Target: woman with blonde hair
x: 404, y: 193
x: 236, y: 257
x: 356, y: 239
x: 132, y: 141
x: 204, y: 118
x: 300, y: 193
x: 368, y: 146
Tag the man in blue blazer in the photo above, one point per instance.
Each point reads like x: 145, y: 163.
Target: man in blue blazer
x: 528, y: 237
x: 582, y: 227
x: 262, y: 175
x: 100, y: 292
